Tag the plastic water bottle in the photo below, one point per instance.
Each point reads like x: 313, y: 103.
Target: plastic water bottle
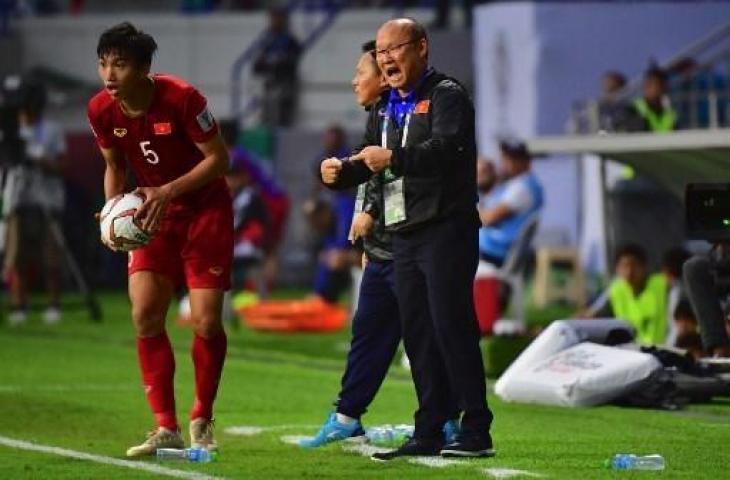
x: 628, y: 461
x: 381, y: 435
x: 194, y: 455
x: 389, y: 435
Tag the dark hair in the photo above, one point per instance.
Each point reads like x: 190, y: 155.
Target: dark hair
x: 616, y: 76
x: 126, y: 40
x: 515, y: 148
x: 631, y: 250
x: 656, y: 73
x: 673, y: 259
x: 684, y: 310
x: 369, y: 47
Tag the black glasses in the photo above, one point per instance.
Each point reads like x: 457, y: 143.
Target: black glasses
x: 395, y: 48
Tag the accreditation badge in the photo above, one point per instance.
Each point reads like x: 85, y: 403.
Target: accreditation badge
x: 395, y: 202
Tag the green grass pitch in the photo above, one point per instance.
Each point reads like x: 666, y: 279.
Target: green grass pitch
x: 76, y: 386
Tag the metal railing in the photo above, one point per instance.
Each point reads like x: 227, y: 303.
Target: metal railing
x: 697, y: 105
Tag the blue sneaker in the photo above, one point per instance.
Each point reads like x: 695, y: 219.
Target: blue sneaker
x: 333, y: 431
x: 451, y: 429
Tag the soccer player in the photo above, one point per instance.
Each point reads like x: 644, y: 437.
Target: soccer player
x: 160, y: 126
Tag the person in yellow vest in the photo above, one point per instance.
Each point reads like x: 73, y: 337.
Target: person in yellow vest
x: 636, y: 297
x: 653, y: 111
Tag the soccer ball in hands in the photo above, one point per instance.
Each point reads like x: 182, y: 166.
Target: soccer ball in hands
x: 118, y: 225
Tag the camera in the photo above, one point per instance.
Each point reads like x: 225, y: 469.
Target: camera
x: 707, y: 212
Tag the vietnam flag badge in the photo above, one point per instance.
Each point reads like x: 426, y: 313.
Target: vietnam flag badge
x: 422, y: 106
x: 162, y: 128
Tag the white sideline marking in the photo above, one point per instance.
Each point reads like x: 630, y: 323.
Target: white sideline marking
x: 293, y: 439
x: 251, y: 430
x: 246, y: 431
x: 364, y: 449
x: 510, y: 472
x: 435, y: 462
x: 63, y: 452
x: 90, y: 387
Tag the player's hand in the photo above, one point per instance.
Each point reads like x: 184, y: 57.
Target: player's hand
x: 153, y: 209
x: 330, y: 169
x: 108, y: 244
x: 361, y: 226
x: 364, y: 260
x: 376, y: 158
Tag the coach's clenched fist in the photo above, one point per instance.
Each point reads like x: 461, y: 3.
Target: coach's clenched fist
x: 330, y: 170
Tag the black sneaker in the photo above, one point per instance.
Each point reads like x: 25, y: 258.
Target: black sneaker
x: 412, y: 448
x: 469, y: 446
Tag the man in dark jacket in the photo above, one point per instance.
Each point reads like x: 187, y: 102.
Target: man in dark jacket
x: 421, y: 148
x: 376, y: 328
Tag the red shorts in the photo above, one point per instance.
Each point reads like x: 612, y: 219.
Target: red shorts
x: 196, y: 249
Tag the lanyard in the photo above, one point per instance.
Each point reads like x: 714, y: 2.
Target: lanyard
x: 384, y: 135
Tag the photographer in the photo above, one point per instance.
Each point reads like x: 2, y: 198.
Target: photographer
x: 702, y: 278
x: 33, y: 194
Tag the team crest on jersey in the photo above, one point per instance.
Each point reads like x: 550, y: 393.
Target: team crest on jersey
x: 120, y: 132
x: 205, y: 120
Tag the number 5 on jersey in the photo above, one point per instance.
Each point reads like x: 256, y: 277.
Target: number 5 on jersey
x: 149, y: 154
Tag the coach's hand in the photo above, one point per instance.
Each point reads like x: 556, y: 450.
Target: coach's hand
x: 330, y: 169
x: 154, y: 206
x: 376, y: 158
x: 362, y: 225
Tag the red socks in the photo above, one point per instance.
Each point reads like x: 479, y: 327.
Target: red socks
x: 208, y: 357
x: 157, y: 363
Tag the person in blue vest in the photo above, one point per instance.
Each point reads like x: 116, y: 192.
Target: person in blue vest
x: 510, y: 204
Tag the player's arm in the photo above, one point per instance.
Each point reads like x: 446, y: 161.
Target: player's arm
x: 213, y: 165
x: 115, y: 173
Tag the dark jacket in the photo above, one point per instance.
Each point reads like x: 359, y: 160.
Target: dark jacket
x: 438, y: 161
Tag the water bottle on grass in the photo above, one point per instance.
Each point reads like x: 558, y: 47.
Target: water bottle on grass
x: 628, y: 461
x: 194, y: 455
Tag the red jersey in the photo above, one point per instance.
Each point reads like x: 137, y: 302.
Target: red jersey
x: 160, y: 145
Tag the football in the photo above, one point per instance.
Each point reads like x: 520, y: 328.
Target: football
x: 118, y: 225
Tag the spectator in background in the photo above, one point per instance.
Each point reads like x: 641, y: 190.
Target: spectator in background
x: 271, y: 193
x: 612, y: 108
x: 701, y: 275
x: 34, y: 208
x: 250, y: 222
x: 509, y: 205
x: 278, y: 65
x: 653, y: 111
x: 685, y: 322
x: 330, y: 220
x: 486, y: 177
x: 672, y: 262
x: 635, y: 296
x: 334, y: 145
x: 330, y: 214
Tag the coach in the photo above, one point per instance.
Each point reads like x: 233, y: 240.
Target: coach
x: 422, y: 147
